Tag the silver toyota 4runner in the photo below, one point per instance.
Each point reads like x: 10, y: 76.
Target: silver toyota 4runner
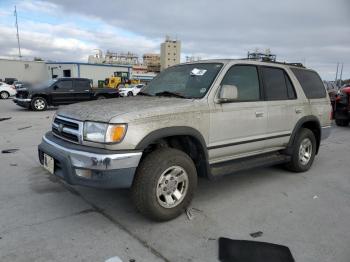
x: 208, y: 118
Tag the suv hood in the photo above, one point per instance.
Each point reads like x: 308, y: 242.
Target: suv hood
x: 138, y: 106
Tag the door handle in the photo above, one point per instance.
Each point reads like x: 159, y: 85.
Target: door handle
x: 298, y: 110
x: 71, y: 90
x: 259, y: 114
x: 87, y: 90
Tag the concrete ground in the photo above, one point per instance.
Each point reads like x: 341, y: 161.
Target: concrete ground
x: 42, y: 219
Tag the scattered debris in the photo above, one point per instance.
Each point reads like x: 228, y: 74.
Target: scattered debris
x: 47, y: 117
x: 114, y: 259
x: 13, y: 164
x: 256, y: 234
x: 252, y: 251
x: 25, y: 127
x: 315, y: 197
x: 284, y: 193
x: 9, y: 151
x: 211, y: 238
x: 5, y: 118
x: 190, y: 212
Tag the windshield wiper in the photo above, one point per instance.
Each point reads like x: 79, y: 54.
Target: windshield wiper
x: 168, y: 93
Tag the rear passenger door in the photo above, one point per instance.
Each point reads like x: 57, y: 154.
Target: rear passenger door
x: 63, y: 92
x: 282, y: 110
x: 82, y: 90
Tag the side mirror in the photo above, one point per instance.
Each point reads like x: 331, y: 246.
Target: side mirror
x: 228, y: 93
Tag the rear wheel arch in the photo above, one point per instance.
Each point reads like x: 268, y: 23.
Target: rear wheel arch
x: 186, y: 139
x: 310, y: 122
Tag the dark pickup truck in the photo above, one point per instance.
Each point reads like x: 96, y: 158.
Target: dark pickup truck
x: 62, y: 91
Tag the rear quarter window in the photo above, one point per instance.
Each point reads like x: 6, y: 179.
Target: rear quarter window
x: 310, y: 82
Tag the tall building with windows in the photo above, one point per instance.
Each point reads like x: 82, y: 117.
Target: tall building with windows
x: 170, y: 52
x: 152, y: 61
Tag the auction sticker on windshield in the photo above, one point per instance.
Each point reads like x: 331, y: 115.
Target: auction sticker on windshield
x: 198, y: 72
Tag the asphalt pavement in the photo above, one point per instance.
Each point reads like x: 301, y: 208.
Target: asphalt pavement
x: 44, y: 219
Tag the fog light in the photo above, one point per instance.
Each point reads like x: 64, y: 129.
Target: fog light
x: 83, y: 173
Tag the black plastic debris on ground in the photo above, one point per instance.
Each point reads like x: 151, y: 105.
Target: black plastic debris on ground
x: 9, y: 151
x: 5, y: 118
x: 252, y: 251
x: 256, y: 234
x: 25, y: 127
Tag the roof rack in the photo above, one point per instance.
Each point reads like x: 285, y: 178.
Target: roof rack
x: 269, y: 58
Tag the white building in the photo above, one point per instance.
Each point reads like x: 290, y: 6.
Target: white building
x: 95, y: 72
x: 30, y: 71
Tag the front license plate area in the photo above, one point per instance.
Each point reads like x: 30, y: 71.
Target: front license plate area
x: 49, y: 163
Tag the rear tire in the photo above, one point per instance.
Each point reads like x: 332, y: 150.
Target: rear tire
x: 4, y: 95
x: 39, y: 104
x: 304, y: 151
x: 164, y: 184
x: 101, y: 97
x: 342, y: 122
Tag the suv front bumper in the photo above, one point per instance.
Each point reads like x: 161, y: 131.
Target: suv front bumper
x: 23, y: 102
x: 108, y: 169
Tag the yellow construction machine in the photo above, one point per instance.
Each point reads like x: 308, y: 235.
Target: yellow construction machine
x: 120, y: 78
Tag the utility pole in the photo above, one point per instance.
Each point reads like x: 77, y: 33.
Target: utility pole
x: 19, y: 46
x: 336, y: 76
x: 341, y: 75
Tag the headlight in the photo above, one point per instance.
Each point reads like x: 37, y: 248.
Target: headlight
x: 104, y: 133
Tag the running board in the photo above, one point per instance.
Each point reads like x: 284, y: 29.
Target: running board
x: 246, y: 163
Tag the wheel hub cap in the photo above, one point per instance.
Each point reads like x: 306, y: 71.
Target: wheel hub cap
x: 39, y: 104
x: 172, y: 187
x: 305, y: 151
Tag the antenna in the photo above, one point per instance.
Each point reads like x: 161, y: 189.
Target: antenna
x: 341, y: 74
x: 19, y: 46
x: 336, y: 76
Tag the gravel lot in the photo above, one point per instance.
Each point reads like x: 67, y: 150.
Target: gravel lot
x: 43, y: 219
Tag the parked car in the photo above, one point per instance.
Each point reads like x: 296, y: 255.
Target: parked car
x: 131, y: 90
x: 10, y: 80
x: 208, y: 118
x: 18, y: 84
x: 341, y: 106
x: 62, y: 91
x: 6, y: 90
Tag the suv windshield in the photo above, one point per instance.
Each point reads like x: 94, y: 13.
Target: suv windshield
x: 188, y: 81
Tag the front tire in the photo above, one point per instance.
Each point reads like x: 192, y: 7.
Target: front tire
x: 304, y: 151
x: 4, y: 95
x: 39, y: 104
x: 164, y: 184
x: 130, y: 93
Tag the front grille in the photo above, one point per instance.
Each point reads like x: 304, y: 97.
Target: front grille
x: 67, y: 129
x: 22, y: 94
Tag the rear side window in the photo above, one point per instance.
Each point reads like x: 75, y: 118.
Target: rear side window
x: 245, y: 78
x: 277, y: 84
x: 82, y: 84
x: 65, y: 84
x: 310, y: 82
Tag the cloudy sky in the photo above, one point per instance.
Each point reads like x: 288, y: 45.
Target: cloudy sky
x: 315, y: 32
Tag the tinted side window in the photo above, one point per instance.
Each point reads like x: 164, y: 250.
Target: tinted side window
x: 82, y: 84
x: 65, y: 84
x: 310, y: 82
x: 274, y: 83
x: 245, y: 78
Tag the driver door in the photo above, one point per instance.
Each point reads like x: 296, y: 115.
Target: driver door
x: 63, y: 92
x: 238, y: 128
